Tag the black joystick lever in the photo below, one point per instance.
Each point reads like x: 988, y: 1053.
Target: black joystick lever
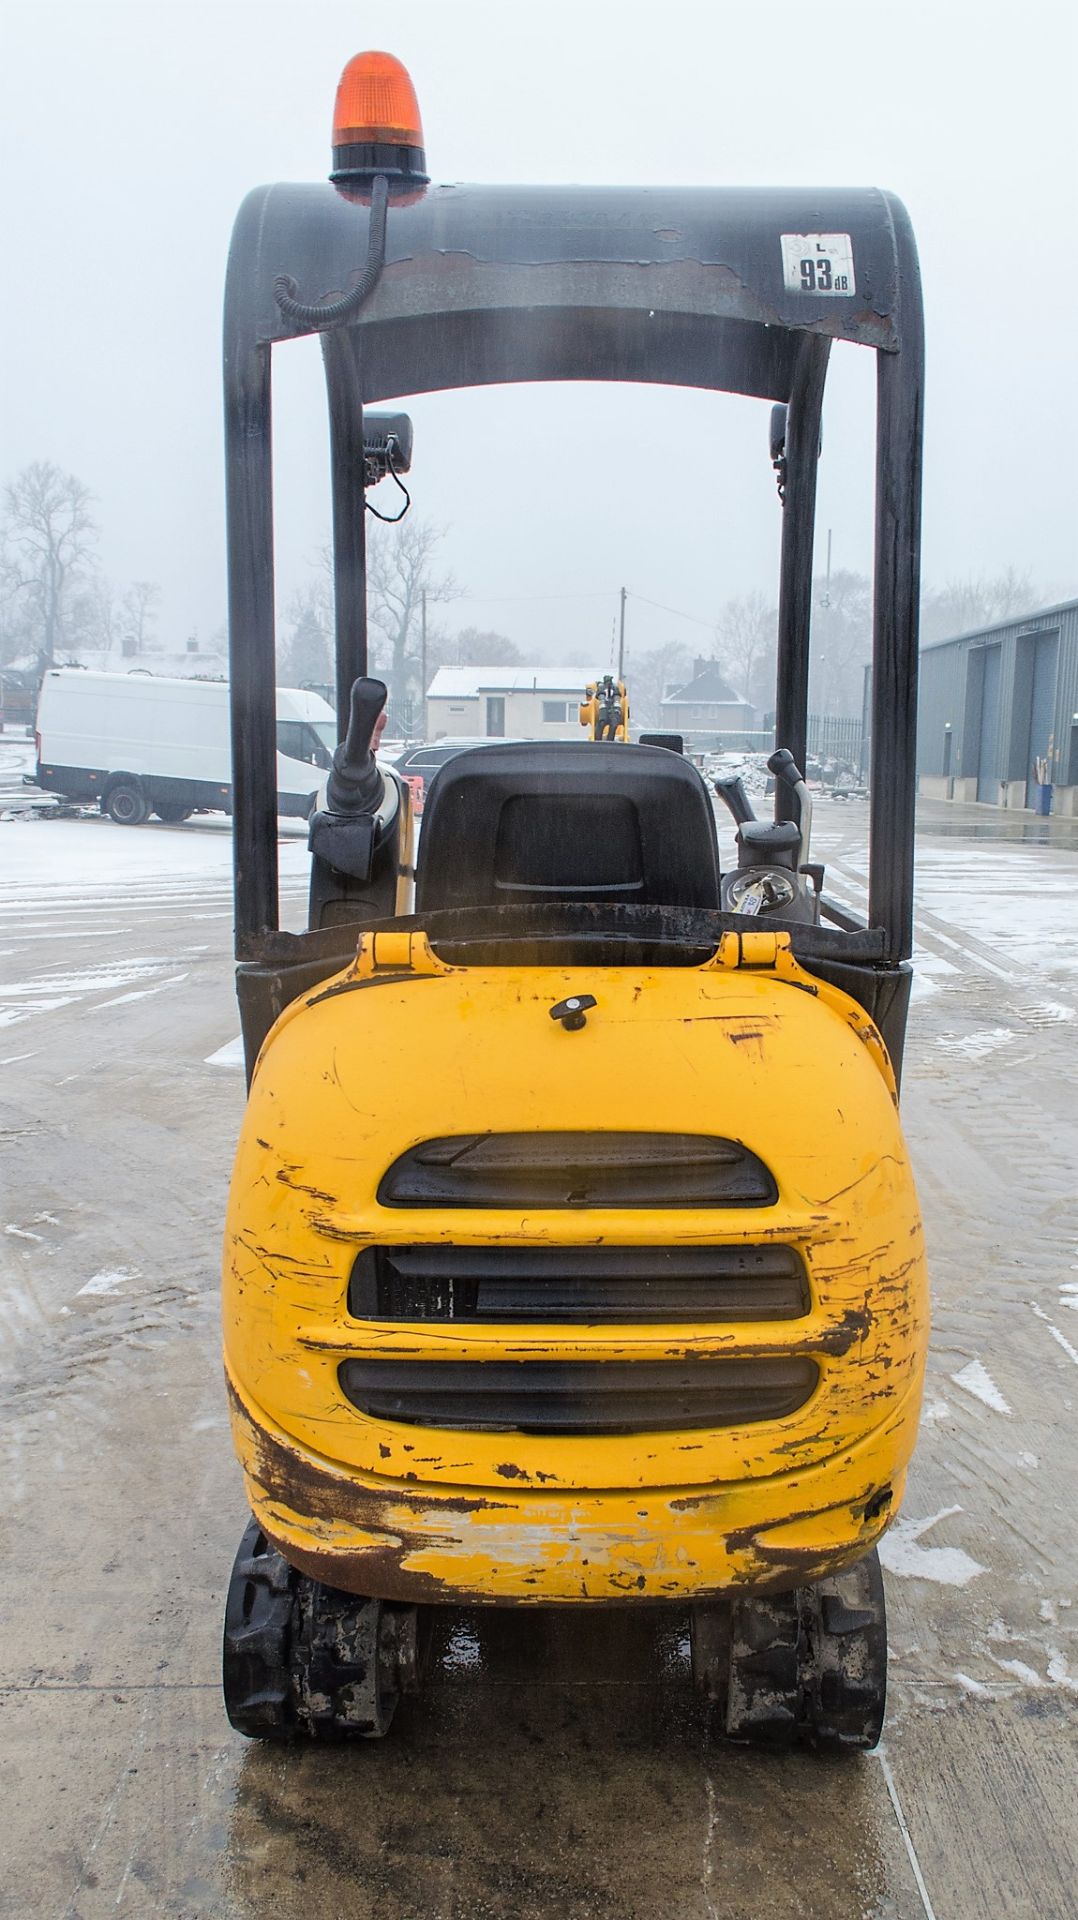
x: 730, y: 788
x: 355, y: 784
x: 344, y: 835
x: 573, y: 1013
x: 784, y: 767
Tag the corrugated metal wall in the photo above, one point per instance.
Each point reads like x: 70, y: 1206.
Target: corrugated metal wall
x: 941, y: 704
x: 986, y: 741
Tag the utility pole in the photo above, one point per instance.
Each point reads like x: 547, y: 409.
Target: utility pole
x: 621, y: 639
x: 423, y: 661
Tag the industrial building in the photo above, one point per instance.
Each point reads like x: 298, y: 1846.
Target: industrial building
x: 998, y: 714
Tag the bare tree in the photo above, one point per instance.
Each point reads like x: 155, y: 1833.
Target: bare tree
x: 91, y: 618
x: 400, y: 569
x: 841, y: 642
x: 747, y: 636
x: 49, y: 536
x: 473, y: 648
x: 137, y: 615
x: 961, y: 606
x: 651, y: 675
x: 306, y: 653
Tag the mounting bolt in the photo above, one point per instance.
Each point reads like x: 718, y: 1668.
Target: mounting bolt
x: 573, y: 1013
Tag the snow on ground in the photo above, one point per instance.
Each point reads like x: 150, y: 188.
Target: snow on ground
x: 976, y: 1379
x: 1020, y: 899
x: 87, y: 880
x: 901, y: 1553
x: 976, y: 1046
x: 45, y: 992
x: 46, y: 862
x: 18, y: 755
x: 230, y: 1055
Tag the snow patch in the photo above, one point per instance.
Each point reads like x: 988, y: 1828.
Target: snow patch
x: 1027, y: 1675
x: 49, y: 991
x: 939, y: 1410
x: 901, y: 1553
x: 923, y: 988
x: 10, y: 1016
x: 144, y: 993
x: 1046, y: 1013
x: 976, y: 1379
x: 1059, y: 1673
x: 976, y: 1046
x: 1060, y: 1338
x: 109, y: 1280
x: 230, y: 1055
x: 976, y: 1687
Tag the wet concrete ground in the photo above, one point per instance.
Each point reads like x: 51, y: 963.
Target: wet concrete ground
x: 558, y: 1764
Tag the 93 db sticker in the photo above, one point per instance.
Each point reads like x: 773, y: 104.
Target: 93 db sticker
x: 817, y: 263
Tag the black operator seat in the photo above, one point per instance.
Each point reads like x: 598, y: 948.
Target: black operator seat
x: 569, y: 821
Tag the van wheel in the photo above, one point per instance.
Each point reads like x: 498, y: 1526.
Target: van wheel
x: 127, y: 804
x: 172, y: 812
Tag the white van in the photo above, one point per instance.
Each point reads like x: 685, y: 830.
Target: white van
x: 140, y: 745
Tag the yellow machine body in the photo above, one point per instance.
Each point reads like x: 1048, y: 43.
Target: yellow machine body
x: 591, y: 711
x: 402, y: 1048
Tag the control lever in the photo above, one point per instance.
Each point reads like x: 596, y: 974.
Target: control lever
x: 354, y: 785
x: 784, y: 767
x: 731, y: 790
x: 347, y: 829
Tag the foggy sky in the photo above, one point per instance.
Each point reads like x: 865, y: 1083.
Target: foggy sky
x: 131, y: 133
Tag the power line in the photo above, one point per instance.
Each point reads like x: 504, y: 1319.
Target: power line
x: 676, y: 611
x: 517, y: 599
x: 496, y: 598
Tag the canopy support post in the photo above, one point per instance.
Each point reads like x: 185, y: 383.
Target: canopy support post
x: 251, y: 636
x: 349, y: 515
x: 896, y: 609
x: 798, y: 530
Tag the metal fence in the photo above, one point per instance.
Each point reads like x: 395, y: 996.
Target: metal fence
x: 835, y: 737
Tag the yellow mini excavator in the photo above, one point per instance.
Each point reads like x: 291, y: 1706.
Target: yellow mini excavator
x: 604, y: 710
x: 572, y: 1253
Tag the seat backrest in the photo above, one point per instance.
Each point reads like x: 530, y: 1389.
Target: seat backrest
x: 568, y: 821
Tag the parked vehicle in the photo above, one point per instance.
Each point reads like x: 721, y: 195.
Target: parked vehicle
x: 418, y: 766
x: 140, y: 744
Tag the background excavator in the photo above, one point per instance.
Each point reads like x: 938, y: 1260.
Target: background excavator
x: 604, y: 710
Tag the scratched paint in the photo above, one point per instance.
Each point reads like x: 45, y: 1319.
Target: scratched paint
x: 316, y: 1140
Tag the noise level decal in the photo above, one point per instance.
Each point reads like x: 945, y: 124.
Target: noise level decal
x: 817, y: 263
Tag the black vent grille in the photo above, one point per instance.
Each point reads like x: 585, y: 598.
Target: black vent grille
x: 578, y: 1170
x: 580, y: 1397
x: 543, y: 1283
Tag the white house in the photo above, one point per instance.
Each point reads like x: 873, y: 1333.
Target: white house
x: 532, y: 703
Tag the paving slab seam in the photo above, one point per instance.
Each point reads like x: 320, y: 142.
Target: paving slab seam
x: 907, y: 1837
x: 116, y: 1686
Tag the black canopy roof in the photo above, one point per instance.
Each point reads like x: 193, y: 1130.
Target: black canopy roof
x: 680, y: 285
x: 732, y: 289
